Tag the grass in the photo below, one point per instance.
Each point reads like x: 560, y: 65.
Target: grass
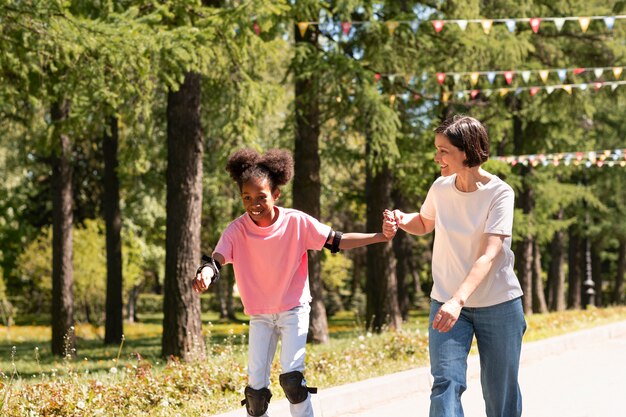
x: 134, y: 380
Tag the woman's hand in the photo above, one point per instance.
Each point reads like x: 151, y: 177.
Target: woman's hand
x: 203, y: 279
x: 399, y: 216
x: 447, y: 315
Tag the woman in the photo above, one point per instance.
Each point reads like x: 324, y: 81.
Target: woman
x: 475, y: 291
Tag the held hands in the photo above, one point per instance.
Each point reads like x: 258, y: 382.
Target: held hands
x: 447, y: 315
x: 203, y: 279
x: 390, y: 226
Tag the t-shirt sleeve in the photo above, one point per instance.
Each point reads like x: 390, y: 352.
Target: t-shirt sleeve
x: 428, y: 210
x: 225, y: 245
x: 500, y: 216
x: 316, y: 233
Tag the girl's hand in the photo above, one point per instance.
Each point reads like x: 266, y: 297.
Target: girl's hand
x: 447, y: 315
x: 203, y: 279
x: 390, y: 228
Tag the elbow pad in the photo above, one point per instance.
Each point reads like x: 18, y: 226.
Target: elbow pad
x: 207, y: 261
x: 334, y: 246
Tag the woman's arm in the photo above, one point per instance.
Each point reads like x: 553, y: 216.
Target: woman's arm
x: 413, y: 223
x: 448, y: 314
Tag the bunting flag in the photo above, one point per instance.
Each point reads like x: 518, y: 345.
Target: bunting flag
x: 588, y: 159
x: 302, y: 27
x: 487, y: 24
x: 533, y: 90
x: 543, y: 74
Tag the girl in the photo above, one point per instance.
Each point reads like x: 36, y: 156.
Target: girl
x: 268, y: 246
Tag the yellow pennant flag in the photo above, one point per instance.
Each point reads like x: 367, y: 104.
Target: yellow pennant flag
x: 584, y: 23
x: 504, y: 92
x: 617, y: 71
x: 302, y: 27
x: 445, y: 96
x: 392, y: 26
x: 474, y: 77
x: 568, y: 88
x: 486, y: 24
x: 392, y: 99
x: 543, y: 74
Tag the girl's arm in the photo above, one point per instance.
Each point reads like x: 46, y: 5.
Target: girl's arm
x: 413, y: 223
x: 356, y: 240
x: 448, y: 314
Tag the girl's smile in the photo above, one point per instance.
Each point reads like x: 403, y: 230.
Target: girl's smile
x: 258, y: 200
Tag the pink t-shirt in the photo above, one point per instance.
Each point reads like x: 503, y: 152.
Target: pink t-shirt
x: 270, y: 263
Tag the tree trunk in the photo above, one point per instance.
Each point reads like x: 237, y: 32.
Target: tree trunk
x: 225, y: 290
x: 306, y: 182
x: 63, y: 337
x: 526, y: 202
x: 381, y: 286
x: 114, y: 322
x: 556, y: 273
x: 618, y: 289
x: 525, y: 263
x: 574, y: 261
x: 182, y: 326
x: 403, y: 252
x: 539, y: 299
x: 596, y: 273
x: 131, y: 307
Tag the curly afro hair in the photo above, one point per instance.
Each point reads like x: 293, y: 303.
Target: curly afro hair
x: 276, y: 165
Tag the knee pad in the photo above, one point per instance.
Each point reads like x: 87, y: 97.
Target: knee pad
x: 295, y: 388
x: 257, y: 400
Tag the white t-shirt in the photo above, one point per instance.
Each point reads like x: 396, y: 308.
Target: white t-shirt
x: 460, y: 221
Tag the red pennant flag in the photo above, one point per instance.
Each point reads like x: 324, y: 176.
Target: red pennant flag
x: 508, y: 76
x: 257, y: 28
x: 441, y: 77
x: 346, y: 27
x: 597, y: 85
x: 377, y: 76
x: 578, y: 71
x: 533, y: 90
x: 534, y: 24
x: 438, y: 25
x: 474, y: 93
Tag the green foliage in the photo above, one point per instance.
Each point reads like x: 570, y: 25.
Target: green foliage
x: 35, y: 270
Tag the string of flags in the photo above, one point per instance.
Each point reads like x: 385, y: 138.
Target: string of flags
x: 588, y: 159
x: 533, y: 90
x: 508, y: 75
x: 438, y: 25
x: 543, y: 74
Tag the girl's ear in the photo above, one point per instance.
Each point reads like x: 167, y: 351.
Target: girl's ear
x: 276, y: 193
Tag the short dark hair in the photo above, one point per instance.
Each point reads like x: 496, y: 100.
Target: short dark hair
x: 276, y: 165
x: 469, y: 135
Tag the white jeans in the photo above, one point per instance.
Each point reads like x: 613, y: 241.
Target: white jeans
x: 292, y: 327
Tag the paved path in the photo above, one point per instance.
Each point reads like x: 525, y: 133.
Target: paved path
x: 581, y: 374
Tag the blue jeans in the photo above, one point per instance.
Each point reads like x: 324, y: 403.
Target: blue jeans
x: 498, y: 330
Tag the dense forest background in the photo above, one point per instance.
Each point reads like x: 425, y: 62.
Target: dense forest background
x: 117, y: 117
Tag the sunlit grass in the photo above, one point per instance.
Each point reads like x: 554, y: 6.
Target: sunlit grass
x: 33, y: 382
